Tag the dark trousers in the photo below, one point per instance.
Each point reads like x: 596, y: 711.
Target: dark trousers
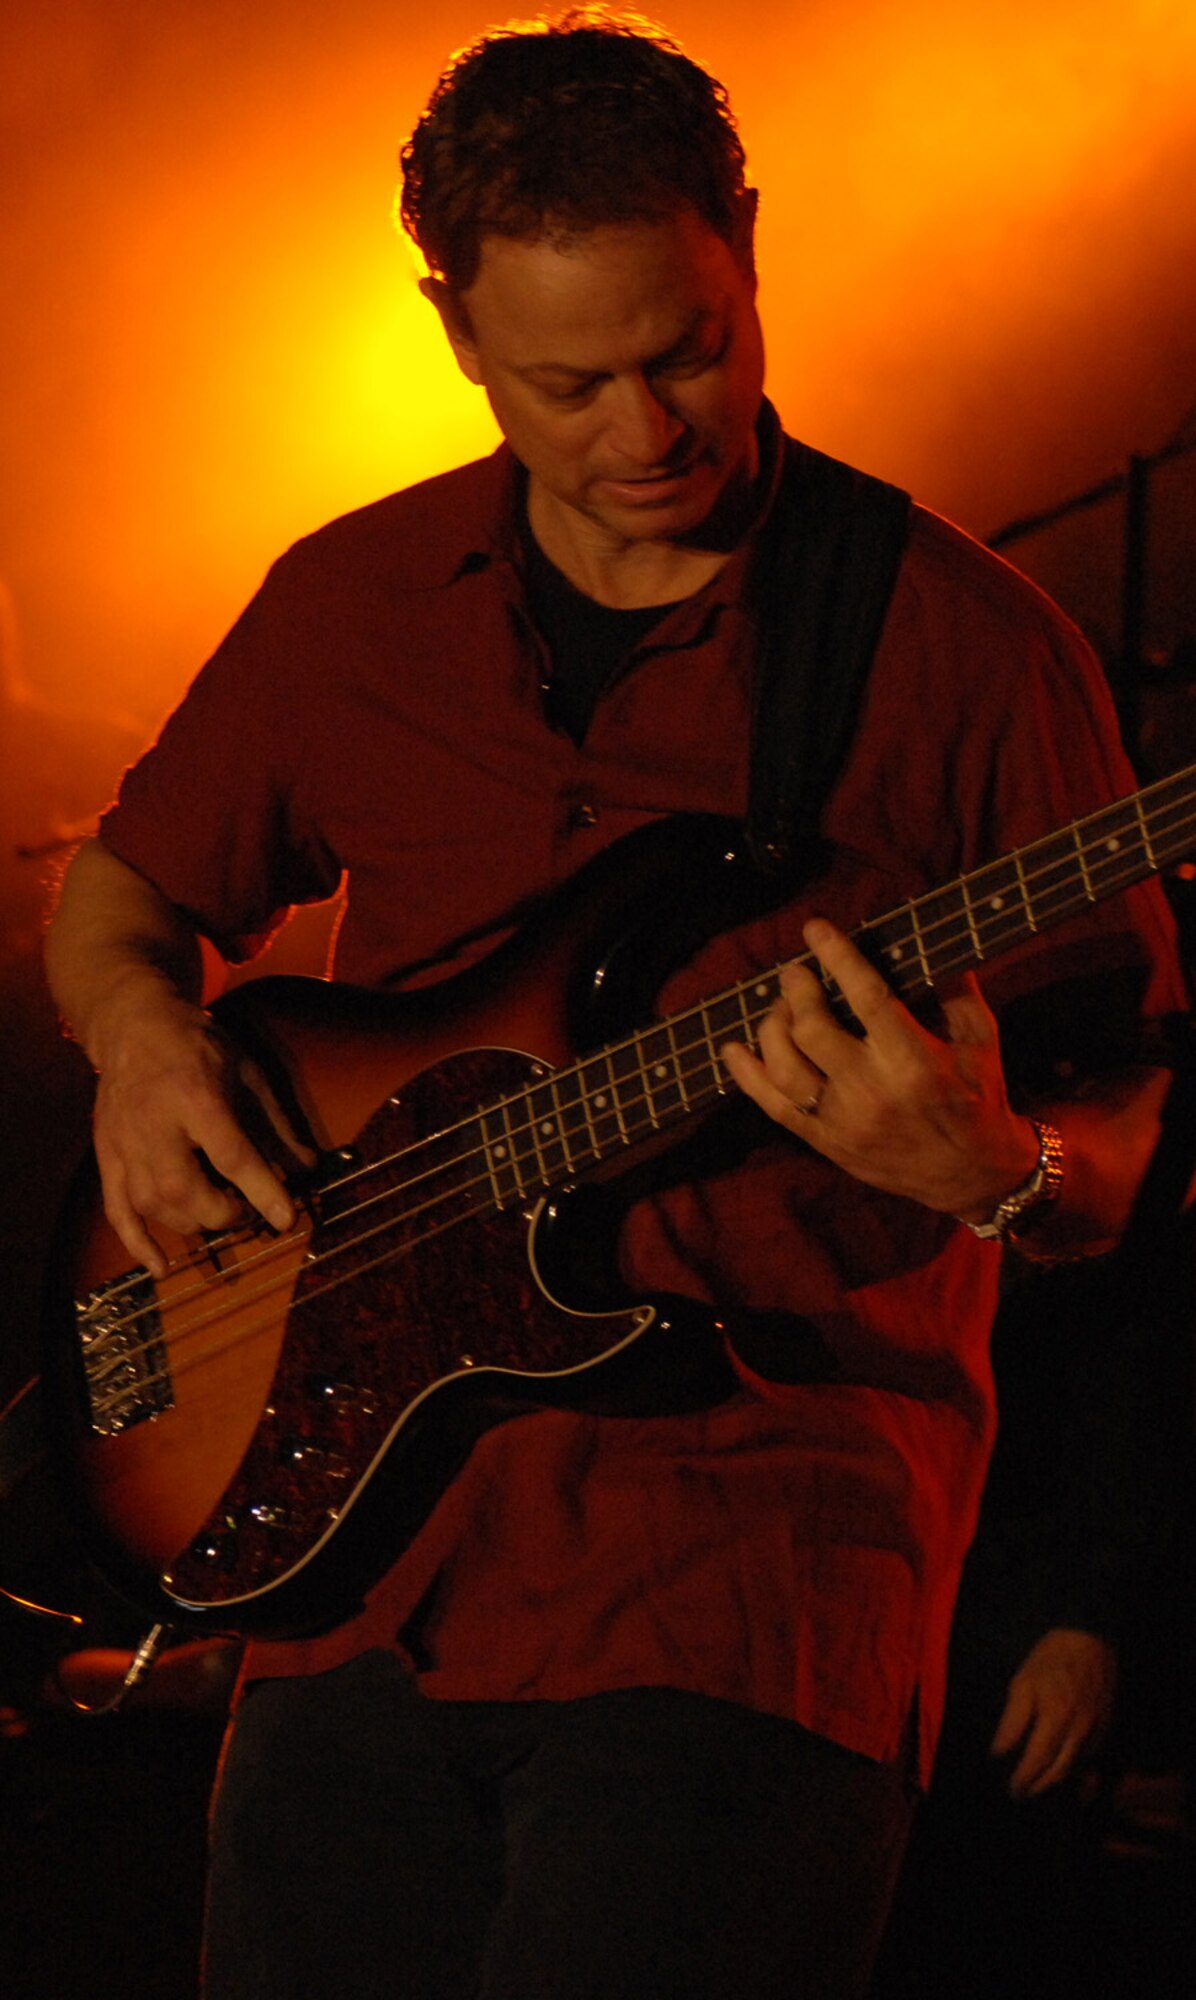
x: 629, y: 1846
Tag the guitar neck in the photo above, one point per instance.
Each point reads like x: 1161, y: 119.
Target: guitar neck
x: 981, y: 915
x: 617, y: 1099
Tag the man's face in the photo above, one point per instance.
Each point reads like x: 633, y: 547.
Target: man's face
x: 625, y: 368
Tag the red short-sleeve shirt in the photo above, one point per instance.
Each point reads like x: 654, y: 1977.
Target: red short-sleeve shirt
x: 377, y: 714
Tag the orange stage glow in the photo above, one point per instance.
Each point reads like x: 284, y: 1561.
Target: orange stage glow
x: 975, y: 249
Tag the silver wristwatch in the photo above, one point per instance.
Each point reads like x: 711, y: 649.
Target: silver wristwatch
x: 1043, y: 1186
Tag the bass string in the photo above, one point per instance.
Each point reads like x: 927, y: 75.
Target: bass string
x: 1109, y: 870
x: 133, y: 1285
x: 957, y: 931
x: 279, y: 1247
x: 177, y: 1335
x: 919, y: 938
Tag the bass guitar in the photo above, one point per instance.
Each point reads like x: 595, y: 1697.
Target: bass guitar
x: 253, y: 1438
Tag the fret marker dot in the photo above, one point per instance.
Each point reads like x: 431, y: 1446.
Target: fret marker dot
x: 500, y: 1152
x: 548, y: 1127
x: 896, y: 953
x: 997, y: 903
x: 601, y: 1100
x: 660, y: 1070
x: 1114, y: 845
x: 761, y: 992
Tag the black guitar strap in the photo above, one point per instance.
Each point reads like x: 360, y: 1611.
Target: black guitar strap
x: 826, y: 568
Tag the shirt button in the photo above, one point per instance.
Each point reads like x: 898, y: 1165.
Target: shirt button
x: 581, y: 815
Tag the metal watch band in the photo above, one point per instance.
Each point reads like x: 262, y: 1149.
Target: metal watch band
x: 1043, y: 1186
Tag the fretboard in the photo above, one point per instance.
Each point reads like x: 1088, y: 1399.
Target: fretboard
x: 615, y: 1100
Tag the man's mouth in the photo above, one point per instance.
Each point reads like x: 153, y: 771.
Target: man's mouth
x: 647, y: 485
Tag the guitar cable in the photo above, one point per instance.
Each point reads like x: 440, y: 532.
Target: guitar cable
x: 137, y: 1670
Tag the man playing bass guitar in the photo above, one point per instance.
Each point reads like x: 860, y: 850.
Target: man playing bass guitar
x: 641, y: 1704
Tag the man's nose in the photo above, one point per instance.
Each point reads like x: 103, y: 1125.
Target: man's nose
x: 643, y: 429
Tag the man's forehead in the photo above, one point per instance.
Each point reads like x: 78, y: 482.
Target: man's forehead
x: 645, y: 283
x: 656, y: 351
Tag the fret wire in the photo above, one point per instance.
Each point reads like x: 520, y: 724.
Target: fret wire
x: 562, y: 1129
x: 1027, y: 898
x: 668, y: 1025
x: 728, y: 1024
x: 921, y: 949
x: 584, y: 1097
x: 601, y: 1104
x: 576, y: 1124
x: 996, y: 916
x: 754, y: 999
x: 708, y: 1037
x: 654, y: 1048
x: 648, y: 1093
x: 1079, y: 845
x: 491, y: 1167
x: 513, y: 1149
x: 699, y: 1082
x: 533, y: 1132
x: 770, y: 995
x: 633, y: 1078
x: 748, y: 1024
x: 614, y: 1090
x: 967, y: 904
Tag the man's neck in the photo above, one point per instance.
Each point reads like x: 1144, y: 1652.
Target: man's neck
x: 624, y: 575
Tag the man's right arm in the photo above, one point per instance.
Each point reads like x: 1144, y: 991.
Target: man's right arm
x: 125, y: 968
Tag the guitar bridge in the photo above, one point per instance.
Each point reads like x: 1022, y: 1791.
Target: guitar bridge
x: 124, y: 1355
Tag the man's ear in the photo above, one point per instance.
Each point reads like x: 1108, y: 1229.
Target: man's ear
x: 455, y: 321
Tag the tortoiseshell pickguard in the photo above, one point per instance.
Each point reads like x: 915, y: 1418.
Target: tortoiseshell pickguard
x: 375, y: 1324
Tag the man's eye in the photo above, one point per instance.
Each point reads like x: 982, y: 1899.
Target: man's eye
x: 686, y: 365
x: 576, y: 393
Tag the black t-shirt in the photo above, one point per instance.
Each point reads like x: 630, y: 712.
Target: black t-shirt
x: 587, y: 642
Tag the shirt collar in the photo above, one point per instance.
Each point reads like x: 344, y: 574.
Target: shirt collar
x: 487, y: 527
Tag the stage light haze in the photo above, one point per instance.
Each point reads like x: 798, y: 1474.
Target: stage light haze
x: 976, y: 253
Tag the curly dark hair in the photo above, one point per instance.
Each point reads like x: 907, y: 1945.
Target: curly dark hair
x: 560, y: 124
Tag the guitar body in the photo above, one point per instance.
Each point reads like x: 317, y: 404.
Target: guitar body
x: 251, y: 1441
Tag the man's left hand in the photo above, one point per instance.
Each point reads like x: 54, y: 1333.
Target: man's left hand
x: 901, y: 1108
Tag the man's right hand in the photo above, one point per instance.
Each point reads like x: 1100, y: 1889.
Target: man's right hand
x: 170, y: 1147
x: 175, y: 1095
